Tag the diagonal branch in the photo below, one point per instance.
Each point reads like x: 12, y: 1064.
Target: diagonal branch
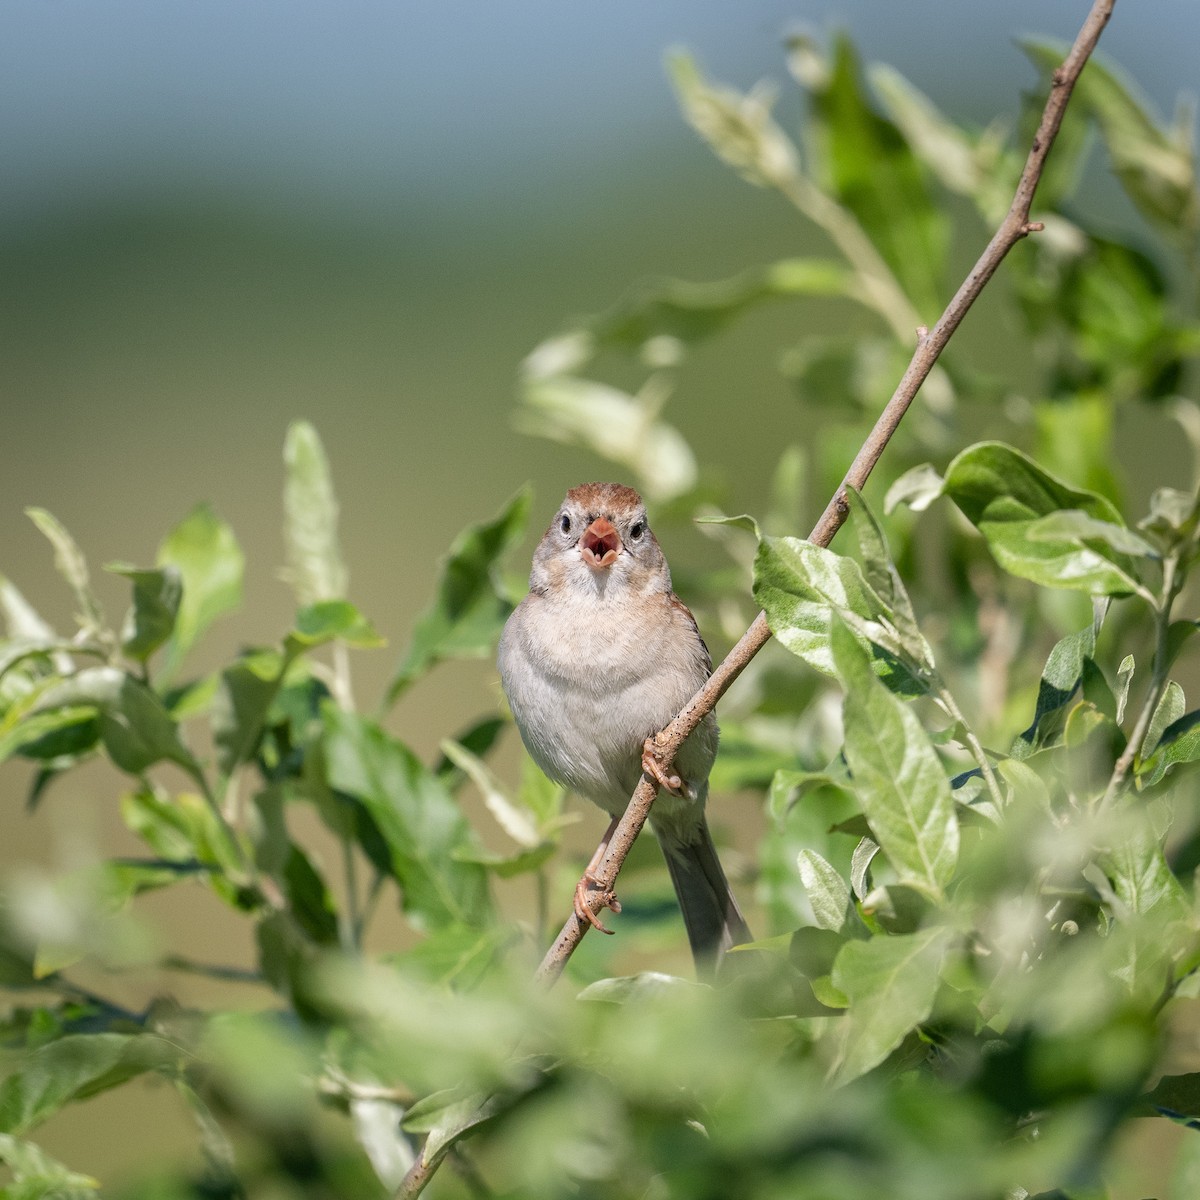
x: 930, y: 344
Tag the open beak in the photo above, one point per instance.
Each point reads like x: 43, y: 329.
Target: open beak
x: 600, y: 544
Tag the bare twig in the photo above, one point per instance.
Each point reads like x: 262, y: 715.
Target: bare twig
x: 1015, y: 226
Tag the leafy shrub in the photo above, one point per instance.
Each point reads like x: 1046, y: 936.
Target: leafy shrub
x: 977, y: 883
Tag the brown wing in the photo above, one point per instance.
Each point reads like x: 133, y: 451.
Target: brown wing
x: 683, y: 610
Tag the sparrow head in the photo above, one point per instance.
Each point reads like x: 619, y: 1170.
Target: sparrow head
x: 600, y: 537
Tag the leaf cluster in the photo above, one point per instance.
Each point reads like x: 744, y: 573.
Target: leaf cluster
x: 976, y: 891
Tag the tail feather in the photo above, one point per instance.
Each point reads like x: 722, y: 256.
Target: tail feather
x: 711, y: 915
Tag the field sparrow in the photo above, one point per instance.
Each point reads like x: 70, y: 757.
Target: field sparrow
x: 597, y: 658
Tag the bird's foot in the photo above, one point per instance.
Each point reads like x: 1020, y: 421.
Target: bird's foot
x: 652, y: 767
x: 586, y: 891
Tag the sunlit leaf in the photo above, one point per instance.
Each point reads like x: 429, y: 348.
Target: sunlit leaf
x: 1005, y: 494
x: 315, y: 568
x: 738, y: 127
x: 1061, y: 679
x: 331, y: 620
x: 917, y: 488
x: 868, y: 165
x: 37, y: 1176
x: 1156, y: 166
x: 203, y: 549
x: 21, y: 619
x: 72, y: 1068
x: 891, y: 983
x: 151, y: 621
x: 827, y: 890
x: 72, y: 566
x: 799, y: 584
x: 240, y: 706
x: 621, y: 427
x: 1178, y: 744
x: 897, y: 775
x: 690, y: 311
x: 422, y: 826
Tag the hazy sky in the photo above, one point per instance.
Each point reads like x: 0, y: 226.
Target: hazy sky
x: 364, y: 99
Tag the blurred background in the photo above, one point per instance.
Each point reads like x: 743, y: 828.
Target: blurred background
x: 218, y: 218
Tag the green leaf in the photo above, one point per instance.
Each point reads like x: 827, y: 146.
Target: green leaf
x: 738, y: 128
x: 37, y: 1176
x: 183, y: 829
x: 49, y: 734
x: 73, y: 1068
x: 239, y: 708
x: 1067, y: 524
x: 1173, y: 514
x: 689, y: 312
x: 1172, y: 1095
x: 422, y: 826
x: 1170, y: 709
x: 1139, y: 873
x: 868, y: 165
x: 917, y: 488
x: 1124, y: 679
x: 309, y: 899
x: 1126, y: 337
x: 315, y: 568
x: 891, y: 983
x: 789, y: 787
x: 151, y: 621
x: 328, y: 621
x: 518, y: 822
x: 622, y: 428
x: 20, y: 618
x: 203, y: 549
x: 799, y: 584
x: 72, y: 566
x: 459, y: 957
x: 860, y: 865
x: 449, y: 1116
x: 884, y: 580
x: 963, y: 165
x: 1003, y: 493
x: 1061, y: 678
x: 743, y: 521
x: 1179, y: 745
x: 136, y: 729
x: 897, y: 774
x: 377, y: 1131
x: 826, y: 889
x: 471, y: 605
x: 1156, y: 166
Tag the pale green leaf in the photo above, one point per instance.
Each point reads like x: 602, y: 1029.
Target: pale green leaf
x: 826, y: 889
x: 72, y: 566
x: 891, y: 983
x: 203, y: 549
x: 897, y: 774
x: 315, y: 569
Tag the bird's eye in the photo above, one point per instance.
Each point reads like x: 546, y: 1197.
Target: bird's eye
x: 636, y: 530
x: 564, y: 523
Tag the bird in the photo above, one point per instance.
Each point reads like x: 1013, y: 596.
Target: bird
x: 597, y: 658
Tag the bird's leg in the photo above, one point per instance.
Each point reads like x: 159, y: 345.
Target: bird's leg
x: 652, y: 767
x: 589, y: 883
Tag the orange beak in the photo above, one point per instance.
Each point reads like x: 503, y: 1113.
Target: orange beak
x: 600, y: 544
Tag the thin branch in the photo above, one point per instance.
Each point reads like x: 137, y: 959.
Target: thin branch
x: 1015, y: 226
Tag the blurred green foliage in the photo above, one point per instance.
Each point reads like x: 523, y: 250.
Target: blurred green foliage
x: 978, y: 875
